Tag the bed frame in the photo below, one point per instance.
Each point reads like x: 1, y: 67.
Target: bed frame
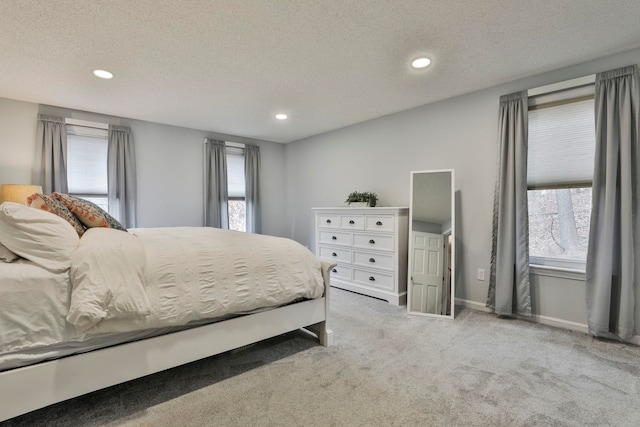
x: 32, y: 387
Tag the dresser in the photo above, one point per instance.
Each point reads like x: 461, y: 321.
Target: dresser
x: 369, y: 246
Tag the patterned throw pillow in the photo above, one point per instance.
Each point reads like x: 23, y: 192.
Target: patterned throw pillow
x: 46, y: 203
x: 88, y: 213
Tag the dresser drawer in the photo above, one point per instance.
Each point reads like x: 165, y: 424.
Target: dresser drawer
x: 335, y: 238
x: 353, y: 222
x: 334, y: 254
x: 379, y: 223
x: 328, y: 221
x: 374, y: 241
x: 374, y: 260
x: 341, y: 272
x: 377, y: 280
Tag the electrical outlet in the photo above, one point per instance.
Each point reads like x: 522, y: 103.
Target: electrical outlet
x: 481, y: 274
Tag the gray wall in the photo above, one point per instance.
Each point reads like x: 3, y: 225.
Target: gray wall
x: 17, y: 141
x: 169, y: 165
x: 426, y: 227
x: 459, y: 133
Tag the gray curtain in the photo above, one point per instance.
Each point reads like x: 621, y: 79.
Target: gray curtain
x: 50, y: 167
x: 121, y: 173
x: 216, y: 213
x: 612, y: 259
x: 252, y: 188
x: 509, y: 289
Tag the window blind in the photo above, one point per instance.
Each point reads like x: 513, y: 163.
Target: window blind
x: 235, y: 172
x: 87, y: 165
x: 561, y: 145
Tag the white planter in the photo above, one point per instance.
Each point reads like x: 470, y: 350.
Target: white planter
x: 358, y: 204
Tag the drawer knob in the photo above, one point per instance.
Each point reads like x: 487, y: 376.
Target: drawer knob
x: 334, y: 238
x: 372, y: 260
x: 373, y: 242
x: 334, y: 254
x: 334, y: 270
x: 379, y: 223
x: 328, y: 221
x: 373, y: 279
x: 352, y: 222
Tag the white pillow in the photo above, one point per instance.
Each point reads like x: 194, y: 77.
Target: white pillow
x: 6, y: 255
x: 39, y: 236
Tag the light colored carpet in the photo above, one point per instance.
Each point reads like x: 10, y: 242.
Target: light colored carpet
x: 386, y: 369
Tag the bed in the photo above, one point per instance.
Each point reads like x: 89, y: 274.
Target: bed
x: 78, y: 315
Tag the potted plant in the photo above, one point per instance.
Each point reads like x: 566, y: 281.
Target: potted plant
x: 372, y: 199
x: 361, y: 199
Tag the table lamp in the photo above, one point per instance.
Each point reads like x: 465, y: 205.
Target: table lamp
x: 17, y: 193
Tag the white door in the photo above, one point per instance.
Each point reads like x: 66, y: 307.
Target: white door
x: 426, y: 276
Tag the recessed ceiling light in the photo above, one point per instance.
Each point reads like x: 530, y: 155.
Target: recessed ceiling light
x: 420, y: 62
x: 102, y: 74
x: 281, y: 116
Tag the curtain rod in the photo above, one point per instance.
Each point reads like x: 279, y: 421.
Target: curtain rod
x: 86, y: 123
x: 567, y: 84
x: 229, y: 143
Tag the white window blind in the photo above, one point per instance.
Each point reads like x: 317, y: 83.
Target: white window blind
x: 561, y: 145
x: 86, y: 163
x: 235, y: 172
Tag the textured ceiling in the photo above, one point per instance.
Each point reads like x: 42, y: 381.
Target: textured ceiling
x: 229, y: 66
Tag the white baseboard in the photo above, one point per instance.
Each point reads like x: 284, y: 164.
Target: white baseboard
x: 558, y: 323
x: 544, y: 320
x: 537, y: 318
x: 634, y: 340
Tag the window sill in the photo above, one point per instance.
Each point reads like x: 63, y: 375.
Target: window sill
x: 564, y: 273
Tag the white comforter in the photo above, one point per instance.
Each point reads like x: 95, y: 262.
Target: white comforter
x: 151, y: 278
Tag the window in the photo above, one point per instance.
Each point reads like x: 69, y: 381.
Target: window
x: 236, y: 188
x: 559, y: 174
x: 87, y: 161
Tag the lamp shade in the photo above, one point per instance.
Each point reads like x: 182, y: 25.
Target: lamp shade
x: 17, y: 193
